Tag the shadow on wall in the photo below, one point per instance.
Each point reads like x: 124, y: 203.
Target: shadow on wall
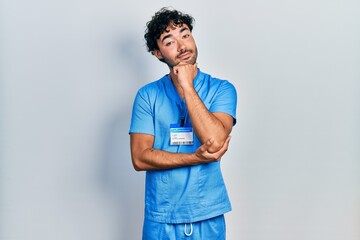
x: 123, y: 184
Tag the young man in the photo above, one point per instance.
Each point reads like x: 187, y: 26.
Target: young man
x: 180, y: 129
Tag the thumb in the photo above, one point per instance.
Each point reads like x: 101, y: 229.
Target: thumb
x: 206, y: 145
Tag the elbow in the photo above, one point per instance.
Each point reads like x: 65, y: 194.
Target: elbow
x: 137, y: 165
x: 215, y: 146
x: 137, y: 168
x: 218, y: 144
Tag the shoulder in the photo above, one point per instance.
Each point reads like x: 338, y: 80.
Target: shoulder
x: 155, y: 85
x: 152, y: 88
x: 217, y: 83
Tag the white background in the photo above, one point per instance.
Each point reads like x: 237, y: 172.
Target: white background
x: 69, y: 73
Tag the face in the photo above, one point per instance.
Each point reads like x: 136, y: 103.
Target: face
x: 176, y: 45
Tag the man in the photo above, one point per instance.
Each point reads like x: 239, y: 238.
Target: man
x: 180, y: 129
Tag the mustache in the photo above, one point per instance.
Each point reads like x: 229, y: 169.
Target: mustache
x: 184, y: 52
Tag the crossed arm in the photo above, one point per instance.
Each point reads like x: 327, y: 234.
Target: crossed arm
x: 212, y: 129
x: 145, y: 157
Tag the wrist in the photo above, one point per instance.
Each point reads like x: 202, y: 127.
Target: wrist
x: 195, y: 158
x: 188, y: 89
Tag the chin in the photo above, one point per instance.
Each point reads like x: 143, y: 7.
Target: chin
x: 191, y: 61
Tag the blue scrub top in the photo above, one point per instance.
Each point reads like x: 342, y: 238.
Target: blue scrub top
x: 192, y: 193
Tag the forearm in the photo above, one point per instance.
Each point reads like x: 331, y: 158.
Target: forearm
x: 145, y: 157
x: 205, y: 124
x: 154, y: 159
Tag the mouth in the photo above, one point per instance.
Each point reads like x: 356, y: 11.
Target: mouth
x: 185, y: 55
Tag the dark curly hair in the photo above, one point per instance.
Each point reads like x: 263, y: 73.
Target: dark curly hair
x: 160, y: 21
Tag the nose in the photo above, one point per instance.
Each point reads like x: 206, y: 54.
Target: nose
x: 181, y: 46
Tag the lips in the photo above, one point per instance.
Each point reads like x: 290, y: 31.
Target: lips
x: 184, y: 55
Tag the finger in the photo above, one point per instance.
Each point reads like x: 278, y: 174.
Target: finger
x: 202, y: 148
x: 209, y: 142
x: 226, y: 143
x: 180, y: 64
x: 224, y: 147
x: 177, y: 67
x: 206, y: 145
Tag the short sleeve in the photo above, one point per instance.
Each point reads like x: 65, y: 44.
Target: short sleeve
x: 142, y: 118
x: 225, y: 100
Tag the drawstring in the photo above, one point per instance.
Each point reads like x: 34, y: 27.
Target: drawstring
x: 191, y: 230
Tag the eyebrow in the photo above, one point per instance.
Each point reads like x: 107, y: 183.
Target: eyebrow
x: 170, y: 35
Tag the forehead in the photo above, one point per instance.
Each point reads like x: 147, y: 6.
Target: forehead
x: 173, y: 27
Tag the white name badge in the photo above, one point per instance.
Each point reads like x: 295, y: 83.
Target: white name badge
x: 181, y: 135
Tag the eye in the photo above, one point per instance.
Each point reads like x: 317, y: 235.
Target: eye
x: 169, y: 43
x: 186, y: 35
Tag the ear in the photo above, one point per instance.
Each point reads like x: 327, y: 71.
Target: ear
x: 157, y: 54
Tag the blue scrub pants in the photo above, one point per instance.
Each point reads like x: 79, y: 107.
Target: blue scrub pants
x: 210, y: 229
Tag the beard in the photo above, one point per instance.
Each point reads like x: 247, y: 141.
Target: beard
x: 191, y: 60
